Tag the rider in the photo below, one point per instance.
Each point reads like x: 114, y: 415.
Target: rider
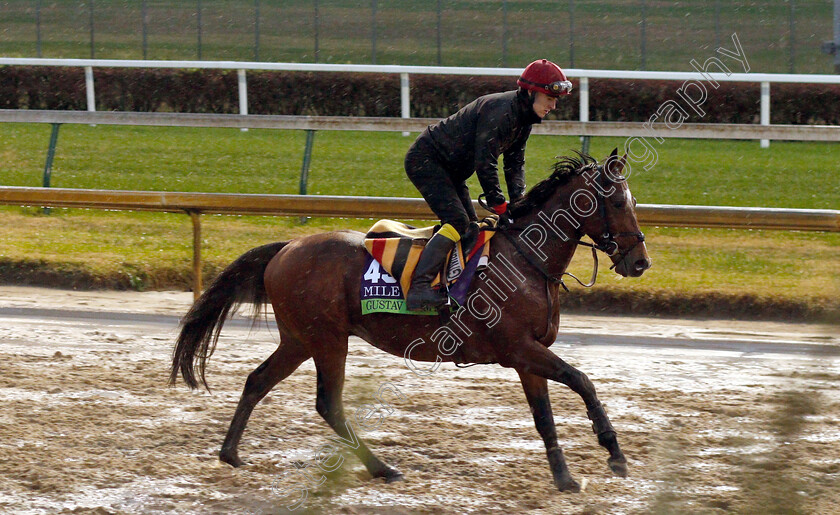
x: 470, y: 141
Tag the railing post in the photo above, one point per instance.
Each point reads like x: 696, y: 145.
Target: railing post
x: 145, y: 18
x: 196, y: 223
x: 572, y: 33
x: 198, y: 25
x: 373, y: 31
x: 92, y: 42
x: 644, y: 35
x: 585, y: 142
x: 405, y: 104
x: 317, y: 24
x: 304, y: 169
x: 50, y: 157
x: 243, y: 94
x: 584, y: 99
x: 765, y: 110
x: 584, y: 111
x: 50, y: 154
x: 257, y: 30
x: 504, y: 33
x: 91, y: 97
x: 307, y: 159
x: 38, y: 28
x: 792, y: 36
x: 837, y: 36
x: 439, y: 9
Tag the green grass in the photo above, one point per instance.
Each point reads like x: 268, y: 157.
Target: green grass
x: 607, y: 34
x: 153, y: 250
x: 731, y: 173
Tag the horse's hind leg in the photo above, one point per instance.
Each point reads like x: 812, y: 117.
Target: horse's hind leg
x: 536, y: 391
x: 538, y: 360
x: 330, y: 369
x: 285, y: 360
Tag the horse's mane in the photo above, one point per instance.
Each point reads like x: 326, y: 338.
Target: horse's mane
x: 564, y: 169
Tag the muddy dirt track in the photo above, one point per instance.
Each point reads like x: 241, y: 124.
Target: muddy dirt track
x: 713, y: 416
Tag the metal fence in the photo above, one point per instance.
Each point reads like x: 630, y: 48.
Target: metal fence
x: 783, y: 36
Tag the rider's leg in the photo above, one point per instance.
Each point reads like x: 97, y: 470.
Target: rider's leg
x: 466, y: 201
x: 420, y: 294
x: 444, y: 197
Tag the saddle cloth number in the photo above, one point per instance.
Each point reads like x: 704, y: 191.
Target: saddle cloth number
x: 374, y: 274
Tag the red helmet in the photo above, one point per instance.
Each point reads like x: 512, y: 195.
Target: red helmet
x: 546, y: 77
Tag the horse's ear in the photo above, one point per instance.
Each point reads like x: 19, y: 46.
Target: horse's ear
x: 614, y: 165
x: 623, y: 160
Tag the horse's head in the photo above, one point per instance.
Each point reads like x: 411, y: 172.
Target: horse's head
x: 581, y: 198
x: 612, y: 222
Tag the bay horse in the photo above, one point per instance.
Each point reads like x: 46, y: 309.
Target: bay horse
x: 511, y: 317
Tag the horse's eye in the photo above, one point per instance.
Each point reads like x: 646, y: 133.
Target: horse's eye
x: 634, y: 201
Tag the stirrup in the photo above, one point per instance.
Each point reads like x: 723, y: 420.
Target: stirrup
x: 423, y: 300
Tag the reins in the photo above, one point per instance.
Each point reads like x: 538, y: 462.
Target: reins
x: 557, y: 278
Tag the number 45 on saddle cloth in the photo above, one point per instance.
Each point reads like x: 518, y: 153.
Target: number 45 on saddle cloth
x: 395, y: 248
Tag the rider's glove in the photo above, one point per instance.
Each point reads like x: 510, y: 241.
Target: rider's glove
x: 501, y: 208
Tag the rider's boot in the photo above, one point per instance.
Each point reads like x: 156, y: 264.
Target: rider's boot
x: 421, y: 296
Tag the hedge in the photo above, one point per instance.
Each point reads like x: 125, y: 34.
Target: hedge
x: 349, y: 94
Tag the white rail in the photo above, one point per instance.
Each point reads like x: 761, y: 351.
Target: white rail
x: 765, y: 79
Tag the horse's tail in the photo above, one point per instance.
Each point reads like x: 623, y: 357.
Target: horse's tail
x: 240, y: 282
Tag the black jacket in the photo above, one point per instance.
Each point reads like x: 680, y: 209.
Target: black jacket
x: 471, y: 140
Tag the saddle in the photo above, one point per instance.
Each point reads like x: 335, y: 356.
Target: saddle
x: 395, y: 248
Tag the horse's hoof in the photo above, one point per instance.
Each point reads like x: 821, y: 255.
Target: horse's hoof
x: 231, y: 459
x: 392, y: 475
x: 618, y: 466
x: 394, y: 478
x: 568, y: 485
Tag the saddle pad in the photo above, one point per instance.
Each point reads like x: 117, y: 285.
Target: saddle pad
x: 394, y: 251
x: 391, y: 229
x: 397, y: 247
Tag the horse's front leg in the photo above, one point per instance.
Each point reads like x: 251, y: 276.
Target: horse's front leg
x: 533, y: 358
x: 536, y: 391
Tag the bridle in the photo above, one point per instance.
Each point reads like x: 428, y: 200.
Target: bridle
x: 608, y: 245
x: 605, y: 243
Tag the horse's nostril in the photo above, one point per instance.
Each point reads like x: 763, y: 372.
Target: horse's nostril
x: 642, y: 264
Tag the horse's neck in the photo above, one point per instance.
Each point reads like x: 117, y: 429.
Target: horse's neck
x: 551, y: 244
